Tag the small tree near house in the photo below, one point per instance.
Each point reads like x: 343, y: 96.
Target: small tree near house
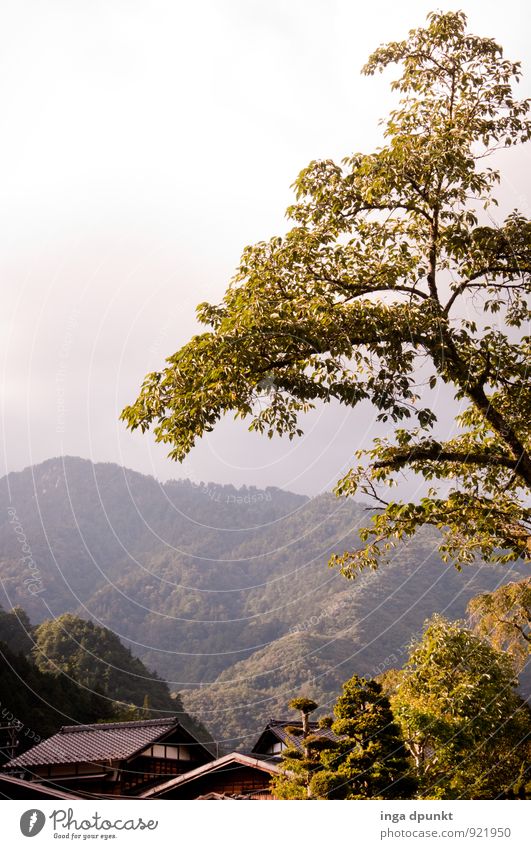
x: 302, y: 762
x: 370, y: 760
x: 364, y: 758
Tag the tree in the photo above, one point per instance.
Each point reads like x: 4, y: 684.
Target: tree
x: 39, y: 703
x: 392, y: 281
x: 466, y: 727
x: 503, y: 617
x: 370, y: 761
x: 16, y: 630
x: 95, y: 658
x: 300, y: 762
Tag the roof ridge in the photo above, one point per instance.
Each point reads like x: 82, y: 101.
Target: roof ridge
x: 109, y: 726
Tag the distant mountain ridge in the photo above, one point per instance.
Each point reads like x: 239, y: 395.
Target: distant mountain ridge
x: 209, y: 583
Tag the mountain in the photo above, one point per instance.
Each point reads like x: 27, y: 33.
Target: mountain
x: 70, y: 670
x: 95, y: 658
x: 364, y: 630
x: 38, y: 703
x: 224, y: 592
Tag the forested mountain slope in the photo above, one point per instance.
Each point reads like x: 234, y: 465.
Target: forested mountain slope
x: 210, y: 585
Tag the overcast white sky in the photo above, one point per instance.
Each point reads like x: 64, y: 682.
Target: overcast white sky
x: 142, y: 145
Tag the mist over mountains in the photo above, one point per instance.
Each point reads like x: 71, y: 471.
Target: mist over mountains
x: 225, y: 592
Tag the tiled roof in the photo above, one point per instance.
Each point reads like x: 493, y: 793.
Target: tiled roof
x: 100, y: 742
x: 235, y: 758
x: 278, y: 727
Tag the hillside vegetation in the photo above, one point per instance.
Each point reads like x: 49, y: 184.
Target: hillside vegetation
x: 69, y: 670
x: 225, y: 593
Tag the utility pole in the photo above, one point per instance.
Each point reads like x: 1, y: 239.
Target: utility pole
x: 9, y: 740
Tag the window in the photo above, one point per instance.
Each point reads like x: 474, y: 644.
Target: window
x: 275, y: 748
x: 174, y: 753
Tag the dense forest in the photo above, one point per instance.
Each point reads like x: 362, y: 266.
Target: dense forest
x: 69, y: 670
x: 449, y: 724
x: 225, y: 593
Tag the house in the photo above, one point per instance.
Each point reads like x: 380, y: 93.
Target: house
x: 234, y: 776
x: 275, y: 737
x: 112, y: 759
x: 152, y: 759
x: 239, y: 776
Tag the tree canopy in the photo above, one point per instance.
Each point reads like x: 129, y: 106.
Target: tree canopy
x: 393, y: 280
x: 95, y: 658
x: 503, y: 617
x: 370, y: 760
x: 363, y: 758
x: 468, y: 730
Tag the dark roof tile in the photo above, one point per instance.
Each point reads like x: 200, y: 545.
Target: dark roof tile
x: 100, y: 742
x: 277, y: 727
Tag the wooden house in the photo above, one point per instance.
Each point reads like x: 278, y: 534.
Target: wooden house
x: 275, y: 737
x: 112, y: 759
x: 234, y: 776
x: 239, y: 776
x: 152, y: 759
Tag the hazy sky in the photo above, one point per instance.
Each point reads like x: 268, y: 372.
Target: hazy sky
x: 143, y: 144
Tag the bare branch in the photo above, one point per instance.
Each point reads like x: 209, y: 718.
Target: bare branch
x: 465, y: 284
